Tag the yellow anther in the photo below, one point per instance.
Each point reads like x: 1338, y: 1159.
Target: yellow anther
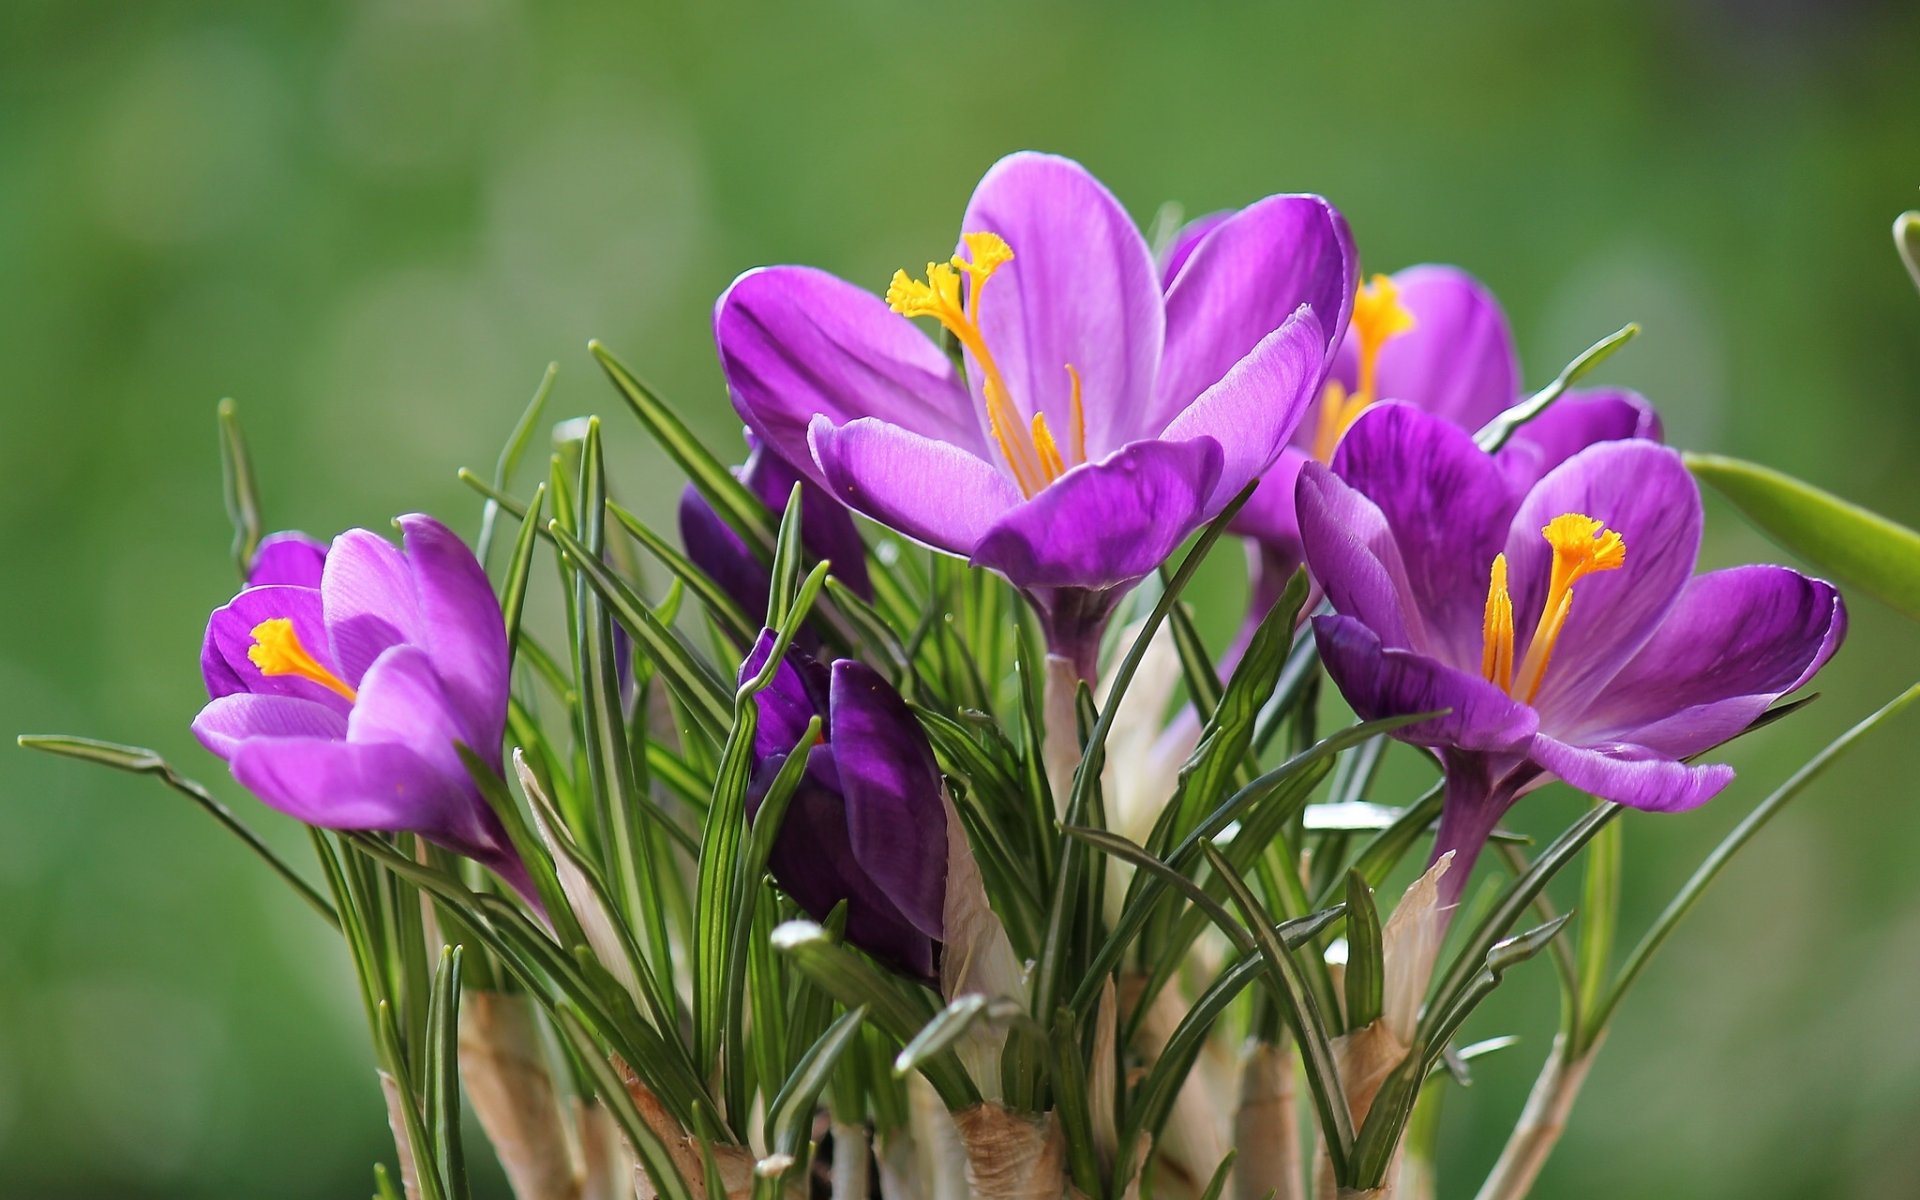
x: 1582, y: 546
x: 1496, y: 660
x: 1079, y: 419
x: 1338, y: 412
x: 276, y: 650
x: 1378, y: 318
x: 1050, y: 461
x: 988, y: 252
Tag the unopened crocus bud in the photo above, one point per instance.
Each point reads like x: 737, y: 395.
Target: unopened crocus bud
x: 867, y: 824
x: 826, y: 532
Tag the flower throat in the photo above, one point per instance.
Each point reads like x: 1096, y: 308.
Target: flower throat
x: 1582, y: 546
x: 1378, y: 318
x: 1030, y: 450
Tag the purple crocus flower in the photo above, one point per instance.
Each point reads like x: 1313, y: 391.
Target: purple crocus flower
x: 826, y: 532
x: 867, y: 824
x: 341, y: 702
x: 1098, y: 421
x: 1558, y: 622
x: 287, y: 557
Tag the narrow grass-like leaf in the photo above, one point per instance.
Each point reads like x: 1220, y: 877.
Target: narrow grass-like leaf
x: 510, y: 455
x: 1366, y: 971
x: 240, y: 487
x: 1906, y: 239
x: 722, y: 607
x: 1599, y: 914
x: 441, y: 1080
x: 513, y: 587
x: 787, y: 553
x: 647, y: 1146
x: 1496, y: 432
x: 791, y: 1111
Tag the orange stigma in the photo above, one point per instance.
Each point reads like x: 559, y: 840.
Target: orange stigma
x: 1582, y: 546
x: 1378, y: 318
x: 276, y: 650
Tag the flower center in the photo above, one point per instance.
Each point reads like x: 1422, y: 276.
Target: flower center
x: 276, y: 650
x: 1582, y: 546
x: 1378, y: 318
x: 1031, y: 453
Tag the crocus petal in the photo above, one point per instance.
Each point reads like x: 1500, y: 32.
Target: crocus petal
x: 226, y: 722
x: 1642, y: 491
x: 287, y: 558
x: 1081, y: 291
x: 1185, y: 241
x: 370, y: 601
x: 1268, y: 515
x: 1447, y: 507
x: 346, y: 785
x: 798, y: 692
x: 795, y: 342
x: 1253, y: 409
x: 223, y: 654
x: 717, y: 550
x: 826, y: 529
x: 403, y: 700
x: 1247, y: 276
x: 1737, y: 641
x: 1457, y: 361
x: 1571, y: 424
x: 1352, y: 553
x: 930, y: 491
x: 1632, y: 775
x: 895, y: 820
x: 1106, y: 524
x: 1378, y: 681
x: 461, y: 629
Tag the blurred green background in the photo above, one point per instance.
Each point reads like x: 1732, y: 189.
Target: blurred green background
x: 374, y: 222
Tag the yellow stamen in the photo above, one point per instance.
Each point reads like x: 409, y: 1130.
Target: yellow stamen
x: 1582, y: 546
x: 1378, y: 318
x: 939, y: 297
x: 1049, y: 450
x: 1496, y: 661
x: 1079, y: 419
x: 276, y: 650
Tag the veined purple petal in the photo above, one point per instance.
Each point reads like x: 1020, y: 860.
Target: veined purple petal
x: 1379, y: 681
x: 720, y: 552
x: 403, y: 700
x: 1738, y: 640
x: 798, y: 692
x: 231, y: 719
x: 223, y: 655
x: 1081, y: 291
x: 461, y: 630
x: 1457, y: 361
x: 1447, y: 507
x: 370, y: 601
x: 1351, y: 551
x: 896, y: 822
x: 795, y: 343
x: 1254, y: 407
x: 1106, y: 524
x: 1632, y: 775
x: 287, y: 558
x: 1246, y: 277
x: 1642, y: 491
x: 348, y: 785
x: 930, y: 491
x: 1571, y: 424
x: 1186, y: 241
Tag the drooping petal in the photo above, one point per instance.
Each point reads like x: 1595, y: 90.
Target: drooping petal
x: 1351, y: 551
x: 223, y: 655
x: 896, y: 822
x: 1738, y: 640
x: 1246, y: 277
x: 1632, y: 775
x: 826, y: 529
x: 370, y: 601
x: 795, y: 343
x: 1642, y: 491
x: 798, y: 692
x: 229, y: 720
x: 1106, y: 524
x: 1379, y: 681
x: 930, y: 491
x: 1081, y: 290
x: 461, y: 629
x: 1457, y: 361
x: 1255, y: 406
x: 1185, y: 241
x: 1571, y: 424
x: 347, y: 785
x: 1447, y: 507
x: 288, y: 558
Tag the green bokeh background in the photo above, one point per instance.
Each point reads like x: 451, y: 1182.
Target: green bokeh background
x: 374, y: 222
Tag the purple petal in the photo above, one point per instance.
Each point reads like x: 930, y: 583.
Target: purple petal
x: 223, y: 655
x: 287, y: 558
x: 1351, y: 551
x: 798, y: 692
x: 347, y: 785
x: 1081, y: 290
x: 896, y: 822
x: 1457, y: 361
x: 1106, y: 524
x: 1631, y: 775
x: 928, y: 490
x: 226, y: 722
x: 826, y: 529
x: 1185, y: 241
x: 1737, y: 641
x: 717, y: 550
x: 1642, y: 491
x: 1253, y: 409
x: 1571, y: 424
x: 1268, y: 516
x: 1448, y: 508
x: 404, y: 700
x: 795, y: 343
x: 370, y: 602
x: 1244, y: 279
x: 461, y: 629
x: 1379, y: 681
